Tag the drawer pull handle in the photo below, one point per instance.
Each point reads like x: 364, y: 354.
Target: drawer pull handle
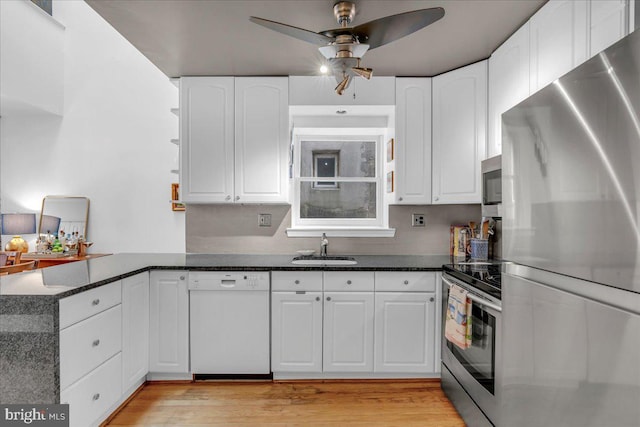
x: 432, y: 299
x: 348, y: 282
x: 317, y: 298
x: 328, y: 298
x: 406, y: 282
x: 96, y: 343
x: 95, y: 301
x: 297, y: 282
x: 96, y: 396
x: 182, y: 278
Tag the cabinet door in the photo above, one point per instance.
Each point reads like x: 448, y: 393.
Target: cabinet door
x: 135, y: 329
x: 405, y: 339
x: 413, y: 141
x: 459, y: 133
x: 558, y: 40
x: 296, y: 332
x: 508, y: 83
x: 609, y: 22
x: 348, y: 332
x: 206, y: 139
x: 169, y: 322
x: 262, y: 139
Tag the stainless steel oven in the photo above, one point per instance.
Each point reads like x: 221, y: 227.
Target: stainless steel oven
x: 469, y: 376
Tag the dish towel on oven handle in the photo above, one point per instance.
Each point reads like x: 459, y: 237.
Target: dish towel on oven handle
x: 457, y: 327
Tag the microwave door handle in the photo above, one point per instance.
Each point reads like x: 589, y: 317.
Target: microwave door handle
x: 475, y: 298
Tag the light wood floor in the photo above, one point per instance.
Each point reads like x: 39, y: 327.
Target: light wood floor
x: 359, y: 403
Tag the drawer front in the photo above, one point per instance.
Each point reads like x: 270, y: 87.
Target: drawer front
x: 84, y: 305
x: 348, y: 281
x: 406, y: 281
x: 94, y: 394
x: 296, y: 281
x: 88, y: 344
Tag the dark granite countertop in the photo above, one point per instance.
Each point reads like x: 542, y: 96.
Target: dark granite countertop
x: 68, y: 279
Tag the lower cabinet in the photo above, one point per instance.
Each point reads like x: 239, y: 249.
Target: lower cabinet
x: 354, y: 322
x: 169, y: 322
x: 135, y: 330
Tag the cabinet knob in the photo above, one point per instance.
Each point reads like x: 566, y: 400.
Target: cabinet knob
x: 95, y: 301
x: 317, y: 298
x: 432, y: 299
x: 328, y: 298
x: 437, y: 198
x: 348, y: 282
x: 96, y: 396
x: 400, y: 198
x: 96, y: 343
x: 237, y: 197
x: 182, y: 278
x: 297, y: 282
x: 228, y: 198
x: 406, y: 282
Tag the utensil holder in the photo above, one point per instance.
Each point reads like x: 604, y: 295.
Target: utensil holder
x: 479, y: 249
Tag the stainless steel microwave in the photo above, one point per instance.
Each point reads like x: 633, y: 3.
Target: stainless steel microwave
x: 492, y: 187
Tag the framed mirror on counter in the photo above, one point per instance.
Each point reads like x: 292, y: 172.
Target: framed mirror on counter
x: 67, y: 213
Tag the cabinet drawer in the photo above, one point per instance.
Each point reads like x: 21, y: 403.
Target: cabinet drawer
x: 81, y: 306
x: 348, y: 281
x: 296, y: 281
x: 89, y: 343
x: 94, y: 394
x: 409, y: 281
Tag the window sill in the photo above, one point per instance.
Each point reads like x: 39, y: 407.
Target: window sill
x: 341, y: 232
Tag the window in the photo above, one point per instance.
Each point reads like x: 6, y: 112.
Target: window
x: 338, y: 180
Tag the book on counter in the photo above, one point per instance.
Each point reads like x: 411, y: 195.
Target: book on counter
x: 459, y: 241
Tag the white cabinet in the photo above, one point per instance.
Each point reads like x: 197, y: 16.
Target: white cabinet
x: 348, y: 332
x: 206, y: 139
x: 608, y: 23
x: 296, y: 331
x: 261, y: 139
x: 320, y: 90
x: 405, y: 332
x: 234, y: 139
x: 168, y: 322
x: 413, y: 141
x: 459, y: 134
x: 135, y: 330
x: 559, y: 34
x: 508, y: 83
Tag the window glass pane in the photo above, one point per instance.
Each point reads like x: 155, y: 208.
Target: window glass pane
x: 352, y: 158
x: 344, y: 200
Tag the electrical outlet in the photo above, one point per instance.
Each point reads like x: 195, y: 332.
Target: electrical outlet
x: 417, y: 220
x: 264, y: 220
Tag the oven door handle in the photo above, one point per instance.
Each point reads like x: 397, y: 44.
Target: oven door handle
x: 474, y: 297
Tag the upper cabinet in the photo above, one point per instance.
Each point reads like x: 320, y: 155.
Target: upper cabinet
x: 261, y: 148
x: 558, y: 40
x: 459, y: 134
x: 320, y: 90
x: 413, y: 141
x: 609, y: 22
x: 234, y: 139
x: 508, y: 83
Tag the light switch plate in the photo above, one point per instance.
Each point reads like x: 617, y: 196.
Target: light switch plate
x: 264, y: 220
x: 417, y: 220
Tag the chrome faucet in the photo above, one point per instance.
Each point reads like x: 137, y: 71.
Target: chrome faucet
x: 324, y: 242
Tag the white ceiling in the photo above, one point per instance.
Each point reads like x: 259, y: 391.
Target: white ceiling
x: 215, y: 37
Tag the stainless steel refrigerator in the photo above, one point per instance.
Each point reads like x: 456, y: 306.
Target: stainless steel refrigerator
x: 571, y: 227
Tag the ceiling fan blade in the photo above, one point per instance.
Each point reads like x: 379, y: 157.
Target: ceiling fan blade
x: 298, y: 33
x: 385, y: 30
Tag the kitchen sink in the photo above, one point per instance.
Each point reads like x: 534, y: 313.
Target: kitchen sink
x: 324, y: 260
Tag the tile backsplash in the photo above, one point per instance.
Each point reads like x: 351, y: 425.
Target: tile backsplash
x: 234, y: 229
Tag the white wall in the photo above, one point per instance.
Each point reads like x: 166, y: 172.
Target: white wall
x: 111, y: 144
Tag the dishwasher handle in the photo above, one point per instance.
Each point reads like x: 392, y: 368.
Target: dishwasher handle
x: 228, y: 283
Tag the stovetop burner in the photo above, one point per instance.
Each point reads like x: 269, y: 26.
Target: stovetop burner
x: 484, y: 276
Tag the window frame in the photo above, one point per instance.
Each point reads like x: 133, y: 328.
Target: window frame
x: 376, y: 135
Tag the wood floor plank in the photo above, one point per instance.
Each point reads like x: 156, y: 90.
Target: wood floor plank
x: 280, y: 404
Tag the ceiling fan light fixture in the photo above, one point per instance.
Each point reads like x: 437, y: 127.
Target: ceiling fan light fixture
x: 363, y: 72
x: 343, y: 85
x: 324, y: 69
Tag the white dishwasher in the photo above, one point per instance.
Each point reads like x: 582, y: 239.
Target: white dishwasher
x: 229, y: 323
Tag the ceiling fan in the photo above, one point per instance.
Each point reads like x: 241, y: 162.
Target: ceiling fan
x: 344, y: 47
